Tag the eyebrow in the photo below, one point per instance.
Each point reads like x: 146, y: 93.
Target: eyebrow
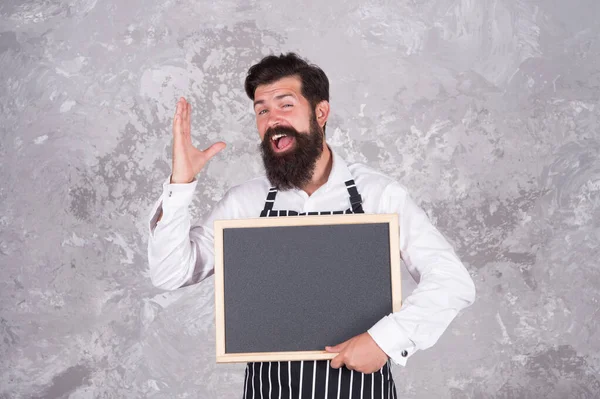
x: 279, y: 97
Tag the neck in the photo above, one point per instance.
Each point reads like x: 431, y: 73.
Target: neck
x: 322, y: 171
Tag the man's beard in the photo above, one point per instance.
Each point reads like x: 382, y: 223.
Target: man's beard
x: 295, y: 167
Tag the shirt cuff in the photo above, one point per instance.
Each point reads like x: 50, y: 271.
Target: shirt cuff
x: 178, y: 195
x: 174, y: 197
x: 392, y: 340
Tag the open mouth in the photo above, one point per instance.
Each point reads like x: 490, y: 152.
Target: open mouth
x: 282, y: 142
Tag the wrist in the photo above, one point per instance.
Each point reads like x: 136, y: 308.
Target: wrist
x: 180, y: 181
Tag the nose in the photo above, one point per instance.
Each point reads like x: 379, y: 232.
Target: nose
x: 274, y: 119
x: 273, y: 122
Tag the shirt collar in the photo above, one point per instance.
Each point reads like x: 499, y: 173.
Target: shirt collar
x: 339, y: 171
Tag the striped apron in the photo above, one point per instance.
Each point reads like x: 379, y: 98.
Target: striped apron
x: 315, y: 379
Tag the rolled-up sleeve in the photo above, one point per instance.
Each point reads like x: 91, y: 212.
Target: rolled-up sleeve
x: 444, y: 285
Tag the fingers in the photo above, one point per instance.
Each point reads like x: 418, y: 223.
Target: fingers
x: 337, y: 361
x: 340, y: 359
x: 185, y: 118
x: 181, y: 123
x: 182, y: 132
x: 187, y: 123
x: 177, y: 117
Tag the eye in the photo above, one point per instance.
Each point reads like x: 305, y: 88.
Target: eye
x: 261, y: 112
x: 287, y: 105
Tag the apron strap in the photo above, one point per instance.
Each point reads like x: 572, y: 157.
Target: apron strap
x: 355, y: 198
x: 269, y: 202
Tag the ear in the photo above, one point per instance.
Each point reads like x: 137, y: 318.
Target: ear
x: 322, y: 112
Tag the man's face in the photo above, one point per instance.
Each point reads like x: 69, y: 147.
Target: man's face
x: 281, y: 103
x: 291, y: 137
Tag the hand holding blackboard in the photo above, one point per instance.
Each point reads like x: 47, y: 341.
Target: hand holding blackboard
x: 287, y: 287
x: 360, y: 353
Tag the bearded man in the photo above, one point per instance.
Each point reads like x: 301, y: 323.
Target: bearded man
x: 305, y: 176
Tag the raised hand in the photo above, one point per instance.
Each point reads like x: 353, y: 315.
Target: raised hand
x: 188, y: 161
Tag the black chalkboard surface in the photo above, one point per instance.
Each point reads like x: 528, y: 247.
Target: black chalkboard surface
x: 287, y: 287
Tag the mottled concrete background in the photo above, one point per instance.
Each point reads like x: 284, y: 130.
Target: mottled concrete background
x: 487, y: 111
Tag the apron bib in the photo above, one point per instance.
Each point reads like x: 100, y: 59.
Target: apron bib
x: 315, y: 379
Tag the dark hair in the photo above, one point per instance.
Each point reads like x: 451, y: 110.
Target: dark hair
x: 315, y: 85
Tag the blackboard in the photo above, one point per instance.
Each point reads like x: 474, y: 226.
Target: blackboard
x: 287, y: 287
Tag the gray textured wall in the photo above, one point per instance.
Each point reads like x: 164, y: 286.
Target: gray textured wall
x: 487, y: 111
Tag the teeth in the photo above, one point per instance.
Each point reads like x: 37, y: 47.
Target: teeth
x: 278, y: 136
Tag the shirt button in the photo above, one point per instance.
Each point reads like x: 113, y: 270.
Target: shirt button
x: 170, y: 193
x: 404, y: 353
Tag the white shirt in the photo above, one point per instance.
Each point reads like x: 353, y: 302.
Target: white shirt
x: 181, y: 253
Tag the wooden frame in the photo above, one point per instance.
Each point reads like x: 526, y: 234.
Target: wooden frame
x: 221, y: 225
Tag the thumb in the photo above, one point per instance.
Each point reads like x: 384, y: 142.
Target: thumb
x: 214, y: 149
x: 337, y: 348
